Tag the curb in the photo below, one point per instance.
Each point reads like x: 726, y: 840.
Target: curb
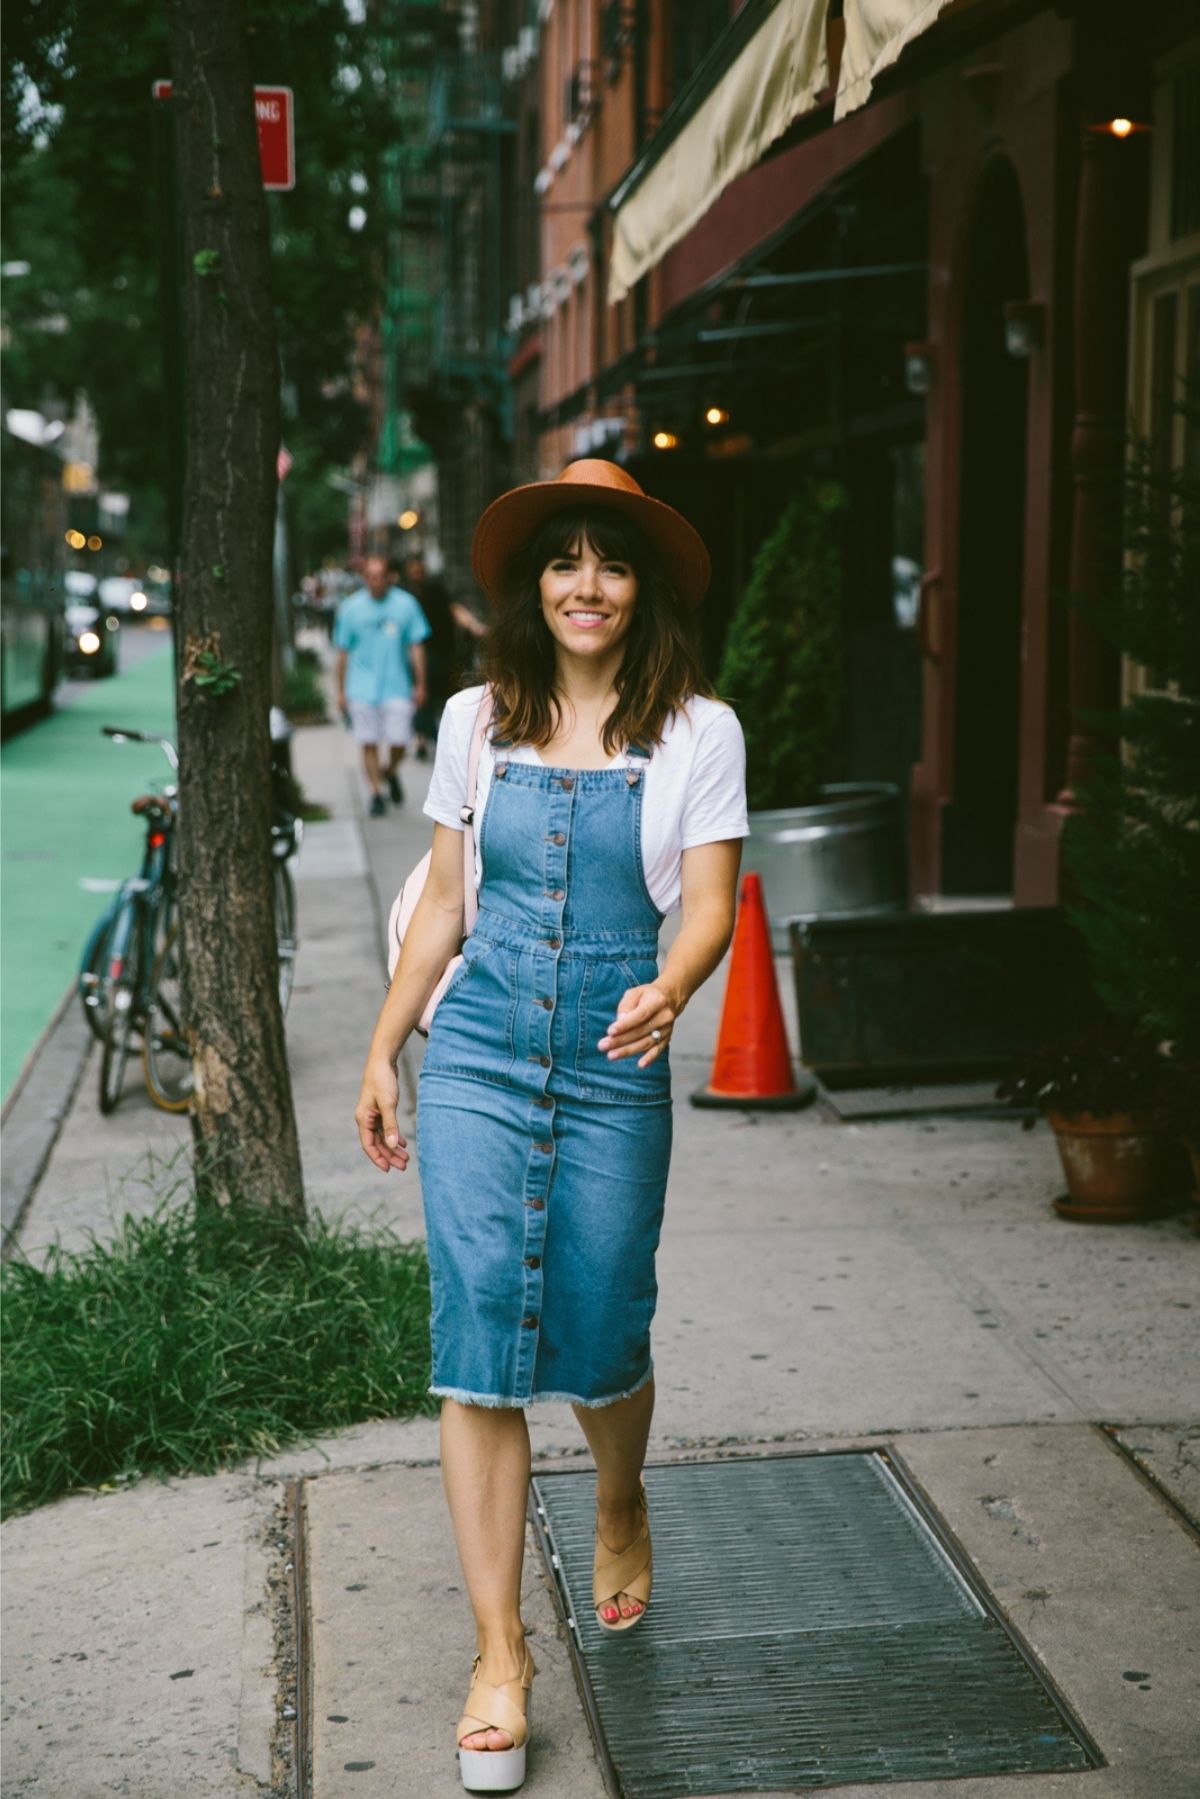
x: 36, y: 1110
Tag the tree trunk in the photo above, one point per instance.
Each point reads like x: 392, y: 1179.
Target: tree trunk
x: 244, y: 1127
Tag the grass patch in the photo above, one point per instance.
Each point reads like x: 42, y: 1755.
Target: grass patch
x: 198, y: 1337
x: 304, y: 688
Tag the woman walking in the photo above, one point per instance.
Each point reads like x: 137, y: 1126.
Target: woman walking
x: 610, y: 792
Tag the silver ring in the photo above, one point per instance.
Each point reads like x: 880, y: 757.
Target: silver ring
x: 656, y: 1036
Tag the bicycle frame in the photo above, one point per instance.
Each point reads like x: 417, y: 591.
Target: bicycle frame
x: 136, y: 906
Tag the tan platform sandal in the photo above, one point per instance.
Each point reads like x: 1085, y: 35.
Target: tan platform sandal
x: 496, y: 1708
x: 631, y: 1571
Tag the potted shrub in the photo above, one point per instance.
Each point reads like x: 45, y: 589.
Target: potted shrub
x: 822, y: 847
x: 1134, y: 850
x: 1102, y: 1096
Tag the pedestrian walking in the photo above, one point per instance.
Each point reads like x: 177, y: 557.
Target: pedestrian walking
x: 610, y: 792
x: 449, y: 622
x: 380, y: 675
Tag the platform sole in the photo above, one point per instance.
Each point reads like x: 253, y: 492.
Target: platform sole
x: 492, y: 1770
x: 495, y: 1770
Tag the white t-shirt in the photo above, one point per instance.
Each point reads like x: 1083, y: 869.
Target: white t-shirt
x: 695, y: 785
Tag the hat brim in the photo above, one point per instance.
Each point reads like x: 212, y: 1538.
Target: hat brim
x: 509, y: 523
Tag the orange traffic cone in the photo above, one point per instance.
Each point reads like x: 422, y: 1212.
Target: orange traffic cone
x: 752, y: 1066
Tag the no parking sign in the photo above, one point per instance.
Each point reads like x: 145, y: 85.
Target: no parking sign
x: 274, y: 114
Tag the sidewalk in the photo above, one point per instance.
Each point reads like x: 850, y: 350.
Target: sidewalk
x: 901, y: 1282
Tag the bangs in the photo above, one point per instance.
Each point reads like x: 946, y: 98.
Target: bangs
x: 609, y: 535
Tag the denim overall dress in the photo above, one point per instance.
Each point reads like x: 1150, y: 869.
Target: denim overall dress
x: 543, y: 1164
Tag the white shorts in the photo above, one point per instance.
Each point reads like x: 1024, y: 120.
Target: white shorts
x: 389, y: 723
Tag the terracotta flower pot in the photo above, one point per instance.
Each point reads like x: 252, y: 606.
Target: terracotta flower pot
x: 1118, y: 1168
x: 1193, y: 1150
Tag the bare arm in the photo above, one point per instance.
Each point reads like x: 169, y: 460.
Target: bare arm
x: 339, y: 678
x: 466, y: 619
x: 710, y: 874
x: 433, y: 936
x: 418, y: 662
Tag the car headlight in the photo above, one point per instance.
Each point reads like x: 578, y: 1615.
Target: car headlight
x: 89, y: 643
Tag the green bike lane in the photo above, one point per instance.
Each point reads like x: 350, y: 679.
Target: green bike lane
x: 67, y: 837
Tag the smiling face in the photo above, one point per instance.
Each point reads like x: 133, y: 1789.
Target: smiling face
x: 588, y: 599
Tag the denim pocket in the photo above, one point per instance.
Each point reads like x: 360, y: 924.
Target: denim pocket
x: 604, y: 985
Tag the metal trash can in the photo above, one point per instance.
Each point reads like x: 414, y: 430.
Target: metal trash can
x: 843, y: 856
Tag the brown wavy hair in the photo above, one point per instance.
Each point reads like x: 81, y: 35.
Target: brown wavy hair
x: 660, y: 670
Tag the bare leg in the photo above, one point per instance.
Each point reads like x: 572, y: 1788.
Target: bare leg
x: 370, y: 753
x: 617, y: 1435
x: 395, y: 757
x: 485, y: 1471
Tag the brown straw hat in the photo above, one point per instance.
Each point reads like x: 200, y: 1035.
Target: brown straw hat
x: 510, y: 522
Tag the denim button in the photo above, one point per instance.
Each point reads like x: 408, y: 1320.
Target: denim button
x: 536, y: 1205
x: 556, y: 837
x: 553, y: 942
x: 567, y: 782
x: 545, y: 1148
x: 533, y: 1261
x: 555, y: 893
x: 543, y: 1099
x: 530, y: 1324
x: 548, y: 1003
x: 542, y: 1061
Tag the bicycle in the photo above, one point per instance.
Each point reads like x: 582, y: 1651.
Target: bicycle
x: 166, y: 1054
x: 131, y: 973
x: 125, y: 944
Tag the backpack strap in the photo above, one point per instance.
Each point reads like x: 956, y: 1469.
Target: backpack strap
x: 483, y: 719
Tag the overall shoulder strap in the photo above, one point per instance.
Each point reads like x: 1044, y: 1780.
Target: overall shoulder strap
x: 483, y: 719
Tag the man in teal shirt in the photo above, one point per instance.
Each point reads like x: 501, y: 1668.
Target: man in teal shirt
x: 380, y: 674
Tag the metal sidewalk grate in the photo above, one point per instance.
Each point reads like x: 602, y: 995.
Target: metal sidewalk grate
x: 809, y: 1628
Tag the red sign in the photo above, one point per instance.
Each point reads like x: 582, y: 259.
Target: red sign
x: 274, y: 114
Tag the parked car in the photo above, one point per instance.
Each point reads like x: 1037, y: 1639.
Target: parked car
x: 79, y: 586
x: 125, y: 595
x: 156, y: 586
x: 91, y: 640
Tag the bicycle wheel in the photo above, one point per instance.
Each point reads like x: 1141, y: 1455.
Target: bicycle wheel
x: 94, y: 991
x: 121, y: 1021
x: 285, y: 931
x: 166, y: 1055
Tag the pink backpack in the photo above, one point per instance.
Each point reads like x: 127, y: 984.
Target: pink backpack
x: 405, y: 902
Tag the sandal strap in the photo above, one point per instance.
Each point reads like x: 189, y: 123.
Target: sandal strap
x: 493, y: 1709
x: 615, y: 1574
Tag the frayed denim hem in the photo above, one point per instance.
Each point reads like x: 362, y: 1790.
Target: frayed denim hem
x: 496, y: 1402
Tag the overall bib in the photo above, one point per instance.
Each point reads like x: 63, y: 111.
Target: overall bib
x: 543, y: 1164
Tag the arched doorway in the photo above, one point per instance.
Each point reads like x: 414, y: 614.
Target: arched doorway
x: 980, y: 821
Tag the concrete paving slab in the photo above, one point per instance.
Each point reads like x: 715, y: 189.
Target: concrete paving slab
x: 393, y: 1641
x: 1101, y: 1581
x: 139, y: 1643
x: 1112, y: 1318
x: 1170, y: 1456
x: 848, y: 1329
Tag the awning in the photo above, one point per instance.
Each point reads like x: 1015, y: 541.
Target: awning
x: 778, y: 75
x: 876, y: 32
